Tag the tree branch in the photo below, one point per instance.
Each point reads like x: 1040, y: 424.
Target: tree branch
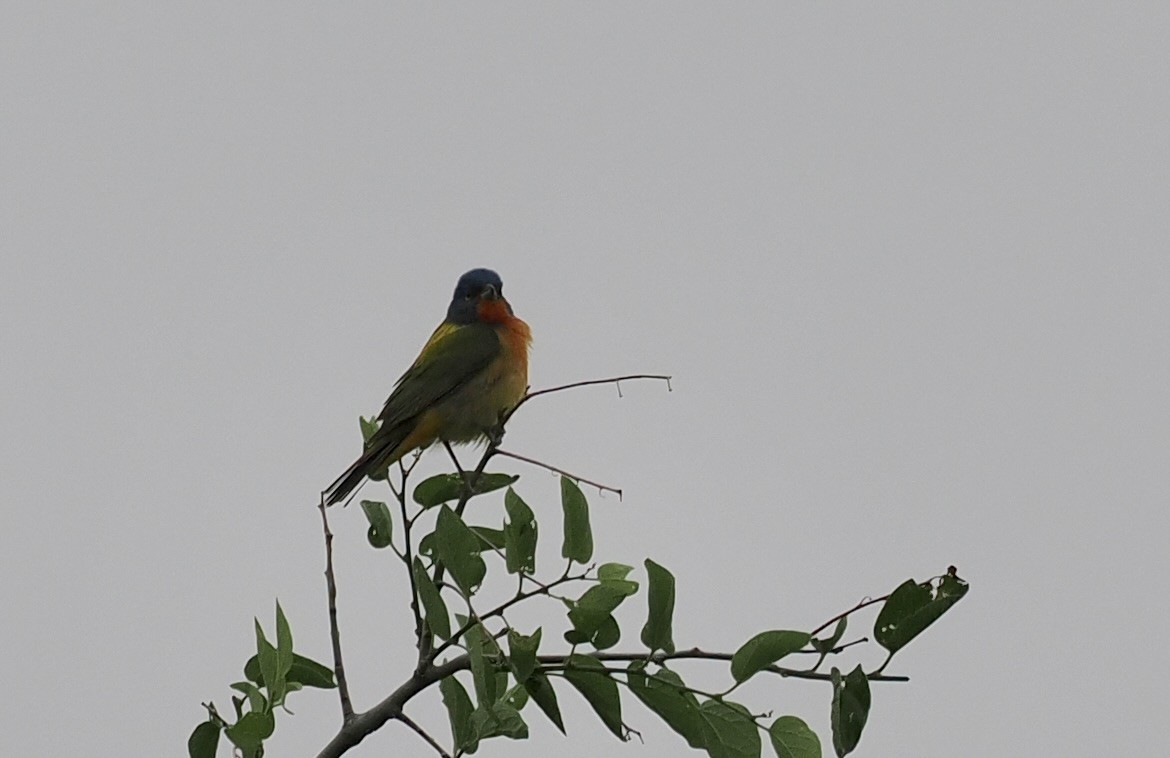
x: 617, y: 380
x: 334, y: 633
x: 423, y: 733
x: 363, y: 724
x: 562, y: 472
x: 499, y: 610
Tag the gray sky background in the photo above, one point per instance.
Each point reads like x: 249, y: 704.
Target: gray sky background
x: 906, y: 262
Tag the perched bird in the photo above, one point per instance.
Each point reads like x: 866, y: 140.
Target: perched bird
x: 472, y: 371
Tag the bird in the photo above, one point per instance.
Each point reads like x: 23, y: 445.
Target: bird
x: 471, y: 373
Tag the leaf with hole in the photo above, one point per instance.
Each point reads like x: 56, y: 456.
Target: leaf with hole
x: 850, y: 709
x: 520, y: 533
x: 913, y: 607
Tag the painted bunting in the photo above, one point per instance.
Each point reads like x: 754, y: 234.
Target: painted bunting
x: 472, y: 371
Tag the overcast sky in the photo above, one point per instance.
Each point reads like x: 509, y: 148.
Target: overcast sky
x: 906, y: 262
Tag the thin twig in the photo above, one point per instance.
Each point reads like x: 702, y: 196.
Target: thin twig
x: 499, y: 611
x: 562, y: 472
x: 588, y: 382
x: 331, y: 590
x: 455, y: 460
x: 422, y: 733
x: 408, y: 558
x: 697, y: 654
x: 843, y: 614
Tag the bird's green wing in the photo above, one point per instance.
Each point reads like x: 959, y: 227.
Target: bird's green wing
x: 454, y: 355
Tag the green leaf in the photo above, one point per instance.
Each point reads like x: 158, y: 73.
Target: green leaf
x: 483, y: 651
x: 728, y: 730
x: 517, y: 697
x: 284, y: 643
x: 446, y: 488
x: 592, y: 680
x: 826, y: 645
x: 658, y: 634
x: 303, y: 671
x: 913, y: 607
x: 763, y: 650
x: 791, y: 738
x: 269, y: 667
x: 458, y: 548
x: 204, y: 740
x: 607, y: 635
x: 662, y: 694
x: 501, y: 720
x: 578, y: 545
x: 381, y: 526
x: 608, y: 572
x: 590, y: 611
x: 437, y: 618
x: 491, y: 537
x: 850, y: 709
x: 256, y: 700
x: 369, y: 426
x: 307, y: 672
x: 459, y: 710
x: 519, y: 534
x: 522, y: 653
x: 541, y: 691
x: 250, y: 731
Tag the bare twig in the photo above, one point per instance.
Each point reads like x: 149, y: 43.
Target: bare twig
x: 408, y: 557
x: 562, y: 472
x: 616, y: 380
x: 422, y: 733
x: 843, y: 614
x: 335, y: 635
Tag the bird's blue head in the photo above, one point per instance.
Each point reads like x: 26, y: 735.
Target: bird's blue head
x: 475, y: 286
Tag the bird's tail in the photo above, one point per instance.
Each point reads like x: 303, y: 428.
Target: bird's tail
x: 349, y: 480
x: 382, y: 451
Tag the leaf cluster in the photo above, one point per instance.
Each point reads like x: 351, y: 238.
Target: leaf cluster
x: 274, y: 672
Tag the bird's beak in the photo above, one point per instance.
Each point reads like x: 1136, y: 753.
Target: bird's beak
x: 490, y: 292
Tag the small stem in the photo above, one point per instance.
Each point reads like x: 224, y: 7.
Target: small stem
x: 422, y: 733
x: 562, y: 472
x: 334, y: 633
x: 499, y: 611
x: 588, y: 382
x: 843, y: 614
x: 408, y: 558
